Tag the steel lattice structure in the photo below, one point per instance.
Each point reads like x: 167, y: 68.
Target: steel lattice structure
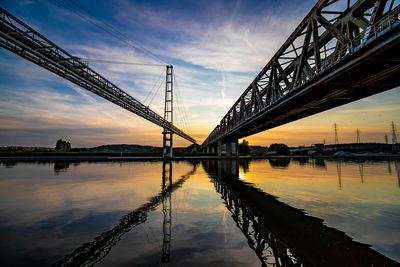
x: 334, y: 38
x: 24, y: 41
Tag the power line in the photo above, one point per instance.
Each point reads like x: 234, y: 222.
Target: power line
x: 136, y: 46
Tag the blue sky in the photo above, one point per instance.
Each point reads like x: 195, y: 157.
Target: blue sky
x: 216, y: 47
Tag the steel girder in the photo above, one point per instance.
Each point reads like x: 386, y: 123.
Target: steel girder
x: 24, y: 41
x: 330, y: 33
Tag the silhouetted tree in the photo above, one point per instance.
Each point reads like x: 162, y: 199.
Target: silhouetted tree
x: 62, y: 146
x: 281, y: 149
x: 244, y: 147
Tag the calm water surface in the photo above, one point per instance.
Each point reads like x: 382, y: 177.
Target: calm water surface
x: 219, y: 213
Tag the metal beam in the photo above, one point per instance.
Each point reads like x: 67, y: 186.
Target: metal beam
x: 19, y: 38
x: 301, y: 63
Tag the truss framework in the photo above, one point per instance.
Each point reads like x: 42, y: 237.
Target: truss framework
x: 24, y: 41
x: 332, y: 31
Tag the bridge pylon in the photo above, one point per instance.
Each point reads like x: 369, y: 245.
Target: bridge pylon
x: 168, y: 114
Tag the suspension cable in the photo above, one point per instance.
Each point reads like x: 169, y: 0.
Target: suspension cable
x: 158, y: 89
x: 183, y: 110
x: 116, y: 30
x: 137, y: 47
x: 154, y: 86
x: 119, y: 62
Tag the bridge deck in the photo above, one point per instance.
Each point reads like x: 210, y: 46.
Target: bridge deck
x: 325, y: 63
x: 370, y: 71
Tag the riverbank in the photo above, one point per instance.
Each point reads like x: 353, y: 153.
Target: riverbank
x: 194, y: 157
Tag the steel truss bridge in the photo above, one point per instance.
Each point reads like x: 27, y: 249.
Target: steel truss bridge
x: 282, y: 235
x: 19, y: 38
x: 341, y: 51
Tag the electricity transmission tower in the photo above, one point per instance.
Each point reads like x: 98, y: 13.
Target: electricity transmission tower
x: 336, y: 134
x: 358, y: 136
x: 394, y: 137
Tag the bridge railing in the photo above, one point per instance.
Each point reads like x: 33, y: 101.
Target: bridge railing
x: 21, y: 39
x: 372, y: 32
x: 364, y: 38
x: 316, y: 45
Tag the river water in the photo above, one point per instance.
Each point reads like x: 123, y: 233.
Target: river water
x: 309, y: 212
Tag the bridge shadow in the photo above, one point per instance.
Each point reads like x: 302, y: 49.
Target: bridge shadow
x: 282, y: 235
x: 94, y: 251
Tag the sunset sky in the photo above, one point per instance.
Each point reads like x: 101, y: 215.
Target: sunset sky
x: 216, y: 47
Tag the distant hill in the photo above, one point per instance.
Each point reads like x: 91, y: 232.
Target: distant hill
x: 125, y: 148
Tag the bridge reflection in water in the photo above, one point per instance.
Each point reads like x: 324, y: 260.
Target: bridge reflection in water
x: 279, y: 234
x: 92, y: 252
x: 282, y: 235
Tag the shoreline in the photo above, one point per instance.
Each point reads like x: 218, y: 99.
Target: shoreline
x: 157, y: 158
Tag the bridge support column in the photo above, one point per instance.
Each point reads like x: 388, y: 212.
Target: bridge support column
x: 236, y: 152
x: 219, y: 148
x: 228, y: 149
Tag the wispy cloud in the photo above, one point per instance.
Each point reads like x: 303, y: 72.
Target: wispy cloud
x: 223, y: 91
x: 216, y: 49
x: 373, y: 109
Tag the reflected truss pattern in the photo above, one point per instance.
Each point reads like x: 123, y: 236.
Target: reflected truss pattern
x: 270, y: 250
x: 92, y: 252
x: 282, y: 235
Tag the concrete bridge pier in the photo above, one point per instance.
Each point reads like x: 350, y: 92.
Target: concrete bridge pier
x: 228, y: 149
x: 235, y: 151
x: 231, y: 148
x: 210, y: 149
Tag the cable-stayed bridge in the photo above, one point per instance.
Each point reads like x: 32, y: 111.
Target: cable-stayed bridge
x: 340, y: 52
x: 21, y: 39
